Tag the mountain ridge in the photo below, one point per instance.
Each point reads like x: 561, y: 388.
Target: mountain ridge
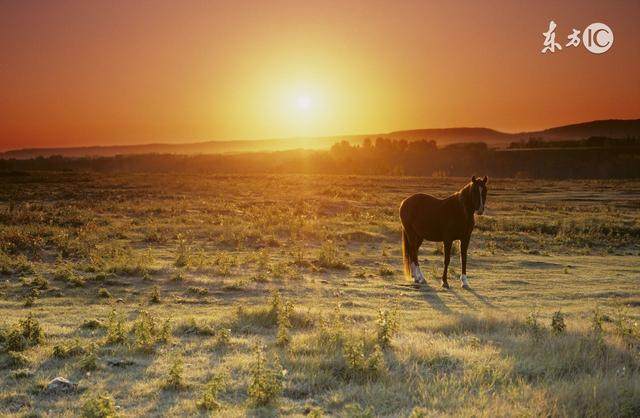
x: 614, y: 128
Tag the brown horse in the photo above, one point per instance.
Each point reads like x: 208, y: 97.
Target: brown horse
x: 425, y: 217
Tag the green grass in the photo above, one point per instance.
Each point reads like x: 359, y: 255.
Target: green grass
x: 263, y: 295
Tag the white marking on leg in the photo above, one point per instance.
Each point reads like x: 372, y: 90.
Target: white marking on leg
x: 420, y: 275
x: 463, y: 279
x: 413, y: 273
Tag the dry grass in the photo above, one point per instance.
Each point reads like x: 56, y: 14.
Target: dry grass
x: 233, y: 295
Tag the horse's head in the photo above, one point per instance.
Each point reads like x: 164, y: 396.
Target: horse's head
x: 478, y: 194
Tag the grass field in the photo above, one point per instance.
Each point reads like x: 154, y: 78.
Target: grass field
x: 163, y: 295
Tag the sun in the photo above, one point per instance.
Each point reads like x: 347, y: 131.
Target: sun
x: 303, y: 102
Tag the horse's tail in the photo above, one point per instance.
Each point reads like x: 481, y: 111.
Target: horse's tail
x: 406, y: 259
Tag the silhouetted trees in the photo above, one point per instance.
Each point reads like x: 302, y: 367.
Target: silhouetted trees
x: 594, y: 157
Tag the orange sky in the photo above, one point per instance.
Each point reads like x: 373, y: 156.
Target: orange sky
x: 96, y: 72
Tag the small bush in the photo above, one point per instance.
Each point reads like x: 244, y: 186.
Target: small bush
x: 266, y: 382
x: 387, y: 325
x: 92, y: 324
x: 155, y: 295
x: 199, y: 291
x: 175, y: 379
x: 183, y: 253
x: 557, y: 322
x: 209, y: 400
x: 101, y: 406
x: 360, y: 364
x: 70, y: 349
x: 65, y: 273
x: 147, y: 332
x: 104, y: 293
x: 26, y: 333
x: 89, y: 361
x: 532, y: 324
x: 116, y: 333
x: 329, y: 257
x: 386, y: 271
x: 16, y: 360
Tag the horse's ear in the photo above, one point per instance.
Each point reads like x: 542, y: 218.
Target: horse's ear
x: 473, y: 179
x: 484, y: 180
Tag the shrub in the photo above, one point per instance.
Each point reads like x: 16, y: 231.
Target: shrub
x: 17, y: 360
x: 101, y: 406
x: 627, y: 329
x: 155, y: 295
x: 175, y: 379
x: 386, y: 271
x: 557, y: 322
x: 329, y: 257
x: 199, y: 291
x: 92, y: 324
x: 387, y: 325
x: 209, y: 400
x: 89, y: 361
x: 148, y: 333
x: 266, y: 382
x: 224, y: 336
x: 360, y: 364
x: 532, y: 324
x: 116, y: 333
x: 65, y: 273
x: 104, y: 293
x: 70, y: 349
x: 26, y: 333
x: 184, y: 252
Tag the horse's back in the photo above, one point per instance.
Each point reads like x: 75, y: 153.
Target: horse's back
x: 424, y: 215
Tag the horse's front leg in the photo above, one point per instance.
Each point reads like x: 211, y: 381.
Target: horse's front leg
x: 447, y: 258
x: 464, y: 246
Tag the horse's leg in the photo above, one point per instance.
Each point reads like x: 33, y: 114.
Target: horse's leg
x: 447, y: 258
x: 464, y: 246
x: 419, y: 278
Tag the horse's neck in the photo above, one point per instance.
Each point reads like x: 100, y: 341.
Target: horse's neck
x: 464, y: 196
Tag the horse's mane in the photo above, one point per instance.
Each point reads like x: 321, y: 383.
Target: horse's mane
x: 464, y: 194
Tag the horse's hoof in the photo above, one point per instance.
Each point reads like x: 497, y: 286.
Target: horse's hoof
x: 465, y: 286
x: 445, y: 285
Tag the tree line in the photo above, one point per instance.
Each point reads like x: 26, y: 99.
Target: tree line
x: 382, y: 156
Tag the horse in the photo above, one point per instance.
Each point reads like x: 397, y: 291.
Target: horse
x: 425, y: 217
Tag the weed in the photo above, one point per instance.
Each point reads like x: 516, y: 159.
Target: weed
x: 361, y: 364
x: 266, y: 382
x: 533, y: 325
x: 69, y: 349
x: 198, y: 291
x: 101, y: 406
x: 557, y: 322
x: 329, y: 257
x: 155, y: 295
x: 385, y: 271
x: 209, y: 400
x: 387, y: 325
x: 116, y: 333
x: 26, y: 333
x: 175, y: 379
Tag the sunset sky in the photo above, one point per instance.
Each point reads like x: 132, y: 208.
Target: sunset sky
x: 99, y: 73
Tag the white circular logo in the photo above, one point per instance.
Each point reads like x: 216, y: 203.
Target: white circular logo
x: 597, y: 38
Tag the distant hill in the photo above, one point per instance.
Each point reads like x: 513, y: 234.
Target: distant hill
x: 612, y: 128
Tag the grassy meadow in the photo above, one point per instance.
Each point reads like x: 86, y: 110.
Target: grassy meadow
x: 173, y: 295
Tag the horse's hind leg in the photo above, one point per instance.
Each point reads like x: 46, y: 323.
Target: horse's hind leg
x: 418, y: 277
x: 447, y: 258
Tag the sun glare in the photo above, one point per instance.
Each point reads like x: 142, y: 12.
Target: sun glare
x: 303, y: 102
